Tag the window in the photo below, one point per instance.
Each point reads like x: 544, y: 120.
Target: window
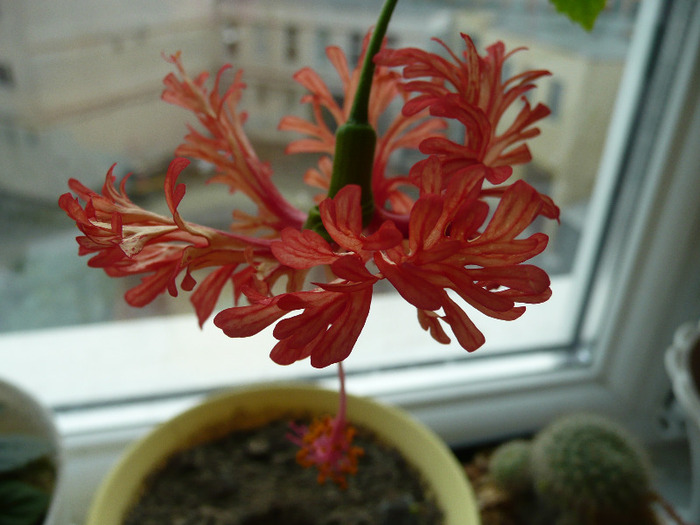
x: 231, y: 38
x: 7, y: 79
x: 618, y: 158
x: 323, y: 40
x: 554, y: 96
x: 262, y: 40
x: 292, y: 46
x: 355, y: 47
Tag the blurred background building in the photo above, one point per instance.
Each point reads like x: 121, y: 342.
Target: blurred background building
x: 80, y: 93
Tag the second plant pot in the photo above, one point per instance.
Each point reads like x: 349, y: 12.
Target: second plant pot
x: 30, y: 459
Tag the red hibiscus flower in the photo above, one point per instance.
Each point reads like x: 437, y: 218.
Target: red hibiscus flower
x: 442, y: 248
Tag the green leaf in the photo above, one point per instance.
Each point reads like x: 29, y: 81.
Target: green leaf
x: 584, y: 12
x: 21, y: 503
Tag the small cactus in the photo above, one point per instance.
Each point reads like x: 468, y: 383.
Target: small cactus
x: 510, y: 466
x: 591, y: 470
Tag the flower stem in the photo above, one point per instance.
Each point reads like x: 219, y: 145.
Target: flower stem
x: 359, y: 111
x: 355, y: 142
x: 340, y: 417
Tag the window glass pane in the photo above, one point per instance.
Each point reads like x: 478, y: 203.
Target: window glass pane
x: 79, y: 93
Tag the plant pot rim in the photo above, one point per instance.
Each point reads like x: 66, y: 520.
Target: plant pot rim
x: 44, y: 420
x: 255, y: 405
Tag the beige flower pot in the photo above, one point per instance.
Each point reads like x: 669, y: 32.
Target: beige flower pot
x: 255, y: 406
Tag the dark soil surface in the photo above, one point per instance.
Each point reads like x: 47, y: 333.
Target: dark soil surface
x: 252, y: 478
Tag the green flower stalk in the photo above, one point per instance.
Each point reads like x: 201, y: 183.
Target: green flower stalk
x: 356, y: 139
